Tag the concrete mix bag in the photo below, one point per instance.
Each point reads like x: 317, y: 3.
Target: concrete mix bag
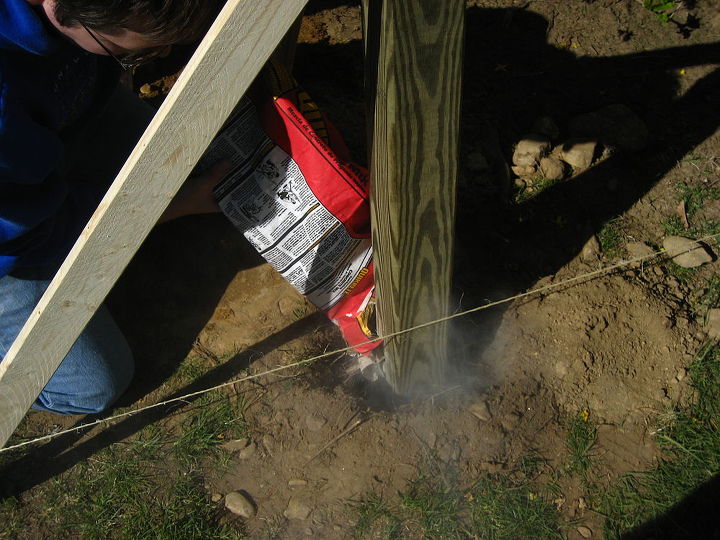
x: 299, y: 200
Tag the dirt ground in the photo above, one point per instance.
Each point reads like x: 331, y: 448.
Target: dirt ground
x: 616, y: 345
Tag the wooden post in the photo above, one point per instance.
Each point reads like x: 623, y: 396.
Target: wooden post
x: 236, y: 47
x: 414, y: 169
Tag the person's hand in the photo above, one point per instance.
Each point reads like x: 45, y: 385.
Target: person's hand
x: 196, y: 194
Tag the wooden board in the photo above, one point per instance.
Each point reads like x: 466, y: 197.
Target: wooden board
x: 240, y: 41
x: 413, y: 173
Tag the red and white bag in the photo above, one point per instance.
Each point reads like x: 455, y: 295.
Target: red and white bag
x: 300, y: 201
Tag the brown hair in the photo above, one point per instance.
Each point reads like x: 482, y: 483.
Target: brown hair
x: 163, y: 21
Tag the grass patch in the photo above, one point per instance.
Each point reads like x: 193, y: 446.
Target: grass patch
x: 435, y: 506
x: 581, y: 438
x: 213, y: 420
x: 694, y: 197
x: 534, y: 187
x: 611, y: 239
x: 663, y: 9
x: 114, y: 496
x: 691, y: 455
x: 375, y: 519
x: 503, y: 509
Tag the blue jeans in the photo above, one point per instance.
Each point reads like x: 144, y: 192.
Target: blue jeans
x: 99, y: 366
x: 95, y: 372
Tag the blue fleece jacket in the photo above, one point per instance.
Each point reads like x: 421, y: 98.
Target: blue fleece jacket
x: 49, y: 89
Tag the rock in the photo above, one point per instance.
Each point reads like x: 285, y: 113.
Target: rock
x: 520, y: 183
x: 552, y: 168
x: 240, y: 504
x: 297, y: 482
x: 523, y: 170
x: 309, y: 532
x: 585, y: 532
x: 614, y: 125
x: 480, y: 410
x: 578, y: 153
x: 216, y: 497
x: 248, y: 451
x: 638, y: 250
x: 685, y: 252
x: 530, y: 149
x: 315, y: 423
x: 546, y: 126
x: 582, y: 505
x: 477, y: 162
x: 297, y: 509
x: 591, y: 251
x: 712, y: 323
x: 236, y: 445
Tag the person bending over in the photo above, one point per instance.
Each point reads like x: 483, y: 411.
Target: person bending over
x: 66, y: 128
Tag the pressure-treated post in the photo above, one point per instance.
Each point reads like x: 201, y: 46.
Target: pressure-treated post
x: 414, y: 165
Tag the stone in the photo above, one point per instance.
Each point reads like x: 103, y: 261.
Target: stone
x: 297, y: 509
x: 480, y: 410
x: 546, y: 126
x: 712, y: 323
x: 686, y: 252
x: 578, y: 153
x: 297, y: 482
x: 216, y: 497
x: 638, y: 250
x: 235, y: 445
x: 615, y: 125
x: 248, y: 451
x: 591, y: 251
x: 477, y: 162
x: 585, y: 532
x: 315, y: 423
x: 240, y: 504
x: 523, y: 170
x: 530, y: 150
x: 552, y: 168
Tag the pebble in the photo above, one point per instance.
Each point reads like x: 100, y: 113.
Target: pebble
x: 530, y: 149
x: 216, y: 497
x: 685, y: 252
x: 578, y: 153
x: 309, y: 532
x: 591, y: 251
x: 297, y: 482
x: 552, y: 168
x: 240, y: 503
x: 615, y: 125
x: 248, y: 451
x: 585, y: 532
x: 523, y: 170
x: 297, y: 509
x: 480, y: 410
x: 712, y: 323
x: 236, y: 445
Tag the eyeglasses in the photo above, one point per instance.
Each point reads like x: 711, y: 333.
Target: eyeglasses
x: 130, y: 60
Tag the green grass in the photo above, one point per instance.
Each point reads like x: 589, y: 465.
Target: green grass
x: 434, y: 506
x: 533, y: 188
x: 581, y: 438
x: 375, y: 519
x: 114, y: 495
x: 691, y: 455
x: 212, y: 421
x: 663, y: 9
x: 611, y: 238
x: 694, y: 197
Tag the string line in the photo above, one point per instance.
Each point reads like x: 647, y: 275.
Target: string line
x: 540, y: 290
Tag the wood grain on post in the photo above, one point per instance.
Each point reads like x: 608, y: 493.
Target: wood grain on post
x: 234, y: 50
x: 414, y: 170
